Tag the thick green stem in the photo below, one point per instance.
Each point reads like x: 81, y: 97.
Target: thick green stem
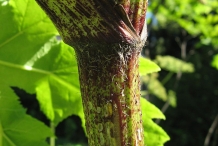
x: 109, y: 81
x: 107, y: 36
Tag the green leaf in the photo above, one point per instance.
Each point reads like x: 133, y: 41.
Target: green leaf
x: 24, y: 29
x: 199, y: 19
x: 33, y: 59
x: 147, y: 66
x: 21, y: 36
x: 54, y: 80
x: 154, y: 135
x: 150, y: 110
x: 155, y: 87
x: 172, y: 98
x: 174, y: 64
x: 214, y: 63
x: 59, y: 90
x: 16, y: 127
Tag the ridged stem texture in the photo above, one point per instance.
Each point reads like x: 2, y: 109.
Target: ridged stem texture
x: 107, y: 36
x: 109, y: 80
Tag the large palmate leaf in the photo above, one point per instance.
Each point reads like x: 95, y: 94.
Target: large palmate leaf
x: 24, y: 29
x: 33, y: 59
x: 17, y: 128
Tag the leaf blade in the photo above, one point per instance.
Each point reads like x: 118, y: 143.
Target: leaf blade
x: 154, y: 135
x: 147, y: 66
x: 174, y: 64
x: 16, y: 127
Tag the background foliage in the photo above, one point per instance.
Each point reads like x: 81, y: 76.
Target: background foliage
x: 183, y: 40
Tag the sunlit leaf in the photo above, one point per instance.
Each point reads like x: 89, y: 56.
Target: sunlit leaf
x: 200, y: 17
x: 16, y: 127
x: 155, y: 87
x: 33, y: 59
x: 23, y: 31
x: 214, y: 63
x: 150, y: 110
x: 172, y: 98
x: 147, y: 66
x: 154, y: 134
x: 174, y: 64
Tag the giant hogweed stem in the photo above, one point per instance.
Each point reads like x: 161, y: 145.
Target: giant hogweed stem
x: 107, y: 36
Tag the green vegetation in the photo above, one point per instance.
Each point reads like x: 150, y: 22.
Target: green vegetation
x: 39, y: 85
x: 35, y: 61
x: 183, y: 41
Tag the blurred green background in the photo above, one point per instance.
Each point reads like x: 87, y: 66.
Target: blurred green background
x: 183, y: 41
